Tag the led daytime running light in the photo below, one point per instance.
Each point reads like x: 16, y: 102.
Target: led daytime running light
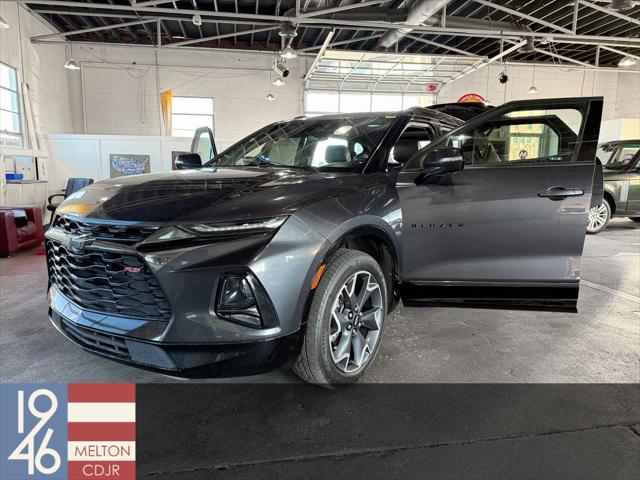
x: 269, y: 224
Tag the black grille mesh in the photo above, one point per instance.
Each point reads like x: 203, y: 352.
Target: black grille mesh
x: 97, y: 341
x: 114, y: 233
x: 98, y: 281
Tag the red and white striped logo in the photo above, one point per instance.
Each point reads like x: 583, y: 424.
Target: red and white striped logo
x: 102, y: 431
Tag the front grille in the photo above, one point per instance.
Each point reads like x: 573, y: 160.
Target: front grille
x: 98, y: 281
x: 96, y: 341
x: 127, y: 234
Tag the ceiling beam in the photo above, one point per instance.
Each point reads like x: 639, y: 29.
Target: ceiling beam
x: 342, y: 42
x: 483, y: 63
x: 516, y: 13
x: 562, y: 57
x: 341, y: 8
x: 224, y: 35
x: 93, y: 29
x: 610, y: 12
x: 440, y: 45
x: 316, y: 60
x: 624, y: 54
x: 373, y: 25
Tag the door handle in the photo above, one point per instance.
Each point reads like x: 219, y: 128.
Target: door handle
x: 560, y: 193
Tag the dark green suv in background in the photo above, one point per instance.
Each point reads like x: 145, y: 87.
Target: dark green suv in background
x: 621, y: 162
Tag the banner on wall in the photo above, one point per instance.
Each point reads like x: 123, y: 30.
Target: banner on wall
x: 121, y: 164
x: 471, y: 97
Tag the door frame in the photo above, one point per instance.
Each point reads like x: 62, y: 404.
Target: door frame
x: 528, y: 295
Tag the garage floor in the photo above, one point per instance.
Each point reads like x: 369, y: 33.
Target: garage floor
x: 444, y: 345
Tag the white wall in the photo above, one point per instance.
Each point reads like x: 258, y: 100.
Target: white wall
x: 41, y: 69
x: 88, y: 155
x: 40, y: 66
x: 123, y: 98
x: 552, y: 82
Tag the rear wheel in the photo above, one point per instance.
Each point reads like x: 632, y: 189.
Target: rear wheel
x: 599, y: 217
x: 345, y: 321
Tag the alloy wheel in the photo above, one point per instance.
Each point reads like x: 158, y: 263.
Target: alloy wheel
x: 598, y: 217
x: 356, y: 320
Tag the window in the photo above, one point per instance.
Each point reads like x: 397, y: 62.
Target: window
x: 328, y: 145
x: 522, y: 136
x: 190, y: 113
x: 10, y: 118
x: 326, y: 102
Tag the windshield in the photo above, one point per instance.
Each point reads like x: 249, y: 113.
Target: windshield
x: 344, y: 143
x: 615, y: 156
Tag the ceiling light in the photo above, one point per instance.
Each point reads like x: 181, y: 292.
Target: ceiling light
x: 270, y: 96
x: 3, y: 23
x: 278, y: 82
x: 289, y: 53
x: 532, y: 90
x: 627, y: 61
x: 620, y: 5
x: 72, y: 64
x: 197, y: 20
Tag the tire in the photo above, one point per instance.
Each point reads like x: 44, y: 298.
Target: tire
x: 599, y: 217
x: 328, y: 332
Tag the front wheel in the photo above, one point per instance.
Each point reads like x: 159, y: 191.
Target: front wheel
x: 345, y: 321
x: 599, y: 217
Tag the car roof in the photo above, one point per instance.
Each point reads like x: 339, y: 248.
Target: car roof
x: 620, y: 142
x: 417, y: 113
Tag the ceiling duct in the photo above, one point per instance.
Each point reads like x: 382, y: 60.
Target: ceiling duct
x: 423, y: 12
x: 418, y: 14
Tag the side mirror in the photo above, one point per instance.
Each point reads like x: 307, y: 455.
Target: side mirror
x: 443, y: 160
x: 185, y: 161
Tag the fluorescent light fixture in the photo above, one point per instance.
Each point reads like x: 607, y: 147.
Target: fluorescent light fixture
x: 71, y: 64
x: 627, y: 61
x: 532, y: 90
x: 3, y: 24
x: 278, y: 82
x: 289, y: 53
x: 270, y: 96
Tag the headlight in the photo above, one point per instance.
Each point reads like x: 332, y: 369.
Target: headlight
x: 251, y: 226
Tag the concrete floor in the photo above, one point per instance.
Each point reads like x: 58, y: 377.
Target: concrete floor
x: 600, y: 344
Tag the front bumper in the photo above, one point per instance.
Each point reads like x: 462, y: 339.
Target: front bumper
x: 194, y: 339
x: 193, y: 361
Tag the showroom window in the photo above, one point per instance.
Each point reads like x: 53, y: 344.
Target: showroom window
x: 190, y: 113
x: 10, y: 112
x: 318, y: 102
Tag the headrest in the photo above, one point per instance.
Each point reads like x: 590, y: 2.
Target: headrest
x: 404, y: 150
x: 336, y: 153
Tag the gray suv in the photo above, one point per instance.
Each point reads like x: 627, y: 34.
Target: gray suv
x: 291, y: 247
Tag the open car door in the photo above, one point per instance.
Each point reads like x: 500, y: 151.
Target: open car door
x: 509, y: 229
x: 203, y: 144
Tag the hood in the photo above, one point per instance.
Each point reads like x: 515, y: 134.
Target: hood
x: 206, y: 195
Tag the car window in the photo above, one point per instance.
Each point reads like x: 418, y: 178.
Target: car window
x: 521, y: 136
x: 344, y: 143
x: 616, y: 156
x: 203, y: 146
x: 414, y: 138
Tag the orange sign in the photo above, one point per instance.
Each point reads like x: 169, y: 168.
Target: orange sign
x: 471, y: 97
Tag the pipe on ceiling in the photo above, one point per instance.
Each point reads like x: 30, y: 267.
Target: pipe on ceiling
x: 423, y: 12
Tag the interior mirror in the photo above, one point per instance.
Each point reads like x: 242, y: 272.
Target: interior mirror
x: 185, y: 161
x: 443, y: 160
